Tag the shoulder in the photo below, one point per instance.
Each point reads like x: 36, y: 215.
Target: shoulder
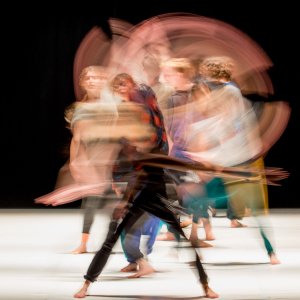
x: 145, y: 89
x: 232, y: 88
x: 230, y: 85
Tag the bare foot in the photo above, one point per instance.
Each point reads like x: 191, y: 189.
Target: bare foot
x: 274, y: 260
x: 168, y: 236
x: 237, y: 224
x: 144, y: 269
x: 210, y: 237
x: 82, y: 293
x: 81, y: 249
x: 209, y: 293
x: 132, y: 267
x: 200, y: 244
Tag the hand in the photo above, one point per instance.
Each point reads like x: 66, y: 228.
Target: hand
x: 116, y: 189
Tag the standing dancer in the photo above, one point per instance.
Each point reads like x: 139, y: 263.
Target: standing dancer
x: 146, y: 191
x: 92, y: 81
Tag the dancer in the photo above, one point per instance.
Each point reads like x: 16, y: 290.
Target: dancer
x: 92, y: 81
x: 238, y: 137
x: 122, y: 87
x: 179, y: 73
x: 146, y: 192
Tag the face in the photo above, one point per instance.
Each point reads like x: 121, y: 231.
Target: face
x: 93, y: 81
x: 171, y: 76
x: 123, y: 88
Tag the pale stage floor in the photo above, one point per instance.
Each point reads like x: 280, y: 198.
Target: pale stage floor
x: 35, y: 260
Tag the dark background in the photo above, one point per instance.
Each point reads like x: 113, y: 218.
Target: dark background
x: 37, y: 65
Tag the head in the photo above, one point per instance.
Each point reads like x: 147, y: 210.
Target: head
x: 151, y: 68
x: 177, y: 72
x: 218, y: 68
x: 122, y: 85
x: 159, y: 50
x: 92, y: 80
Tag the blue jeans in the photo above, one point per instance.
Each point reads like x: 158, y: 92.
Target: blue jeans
x: 147, y: 224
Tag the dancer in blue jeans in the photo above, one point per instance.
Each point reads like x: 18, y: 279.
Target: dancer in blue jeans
x: 131, y: 241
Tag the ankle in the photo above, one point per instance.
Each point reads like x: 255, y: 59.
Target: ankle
x: 205, y: 286
x: 84, y: 238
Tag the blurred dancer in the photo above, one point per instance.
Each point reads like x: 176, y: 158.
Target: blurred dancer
x: 151, y: 66
x: 126, y: 90
x: 179, y: 73
x: 92, y: 82
x: 216, y: 76
x: 146, y: 191
x: 235, y: 136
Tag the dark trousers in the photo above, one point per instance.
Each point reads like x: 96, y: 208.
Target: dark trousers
x: 150, y: 198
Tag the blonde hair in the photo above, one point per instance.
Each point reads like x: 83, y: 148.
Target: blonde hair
x: 98, y: 69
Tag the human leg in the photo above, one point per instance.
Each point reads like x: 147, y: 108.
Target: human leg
x: 130, y: 240
x: 195, y: 200
x: 89, y: 204
x: 209, y: 293
x: 162, y: 208
x: 149, y: 227
x: 101, y: 257
x: 235, y: 204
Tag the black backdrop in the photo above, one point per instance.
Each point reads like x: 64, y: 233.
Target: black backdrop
x: 38, y: 59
